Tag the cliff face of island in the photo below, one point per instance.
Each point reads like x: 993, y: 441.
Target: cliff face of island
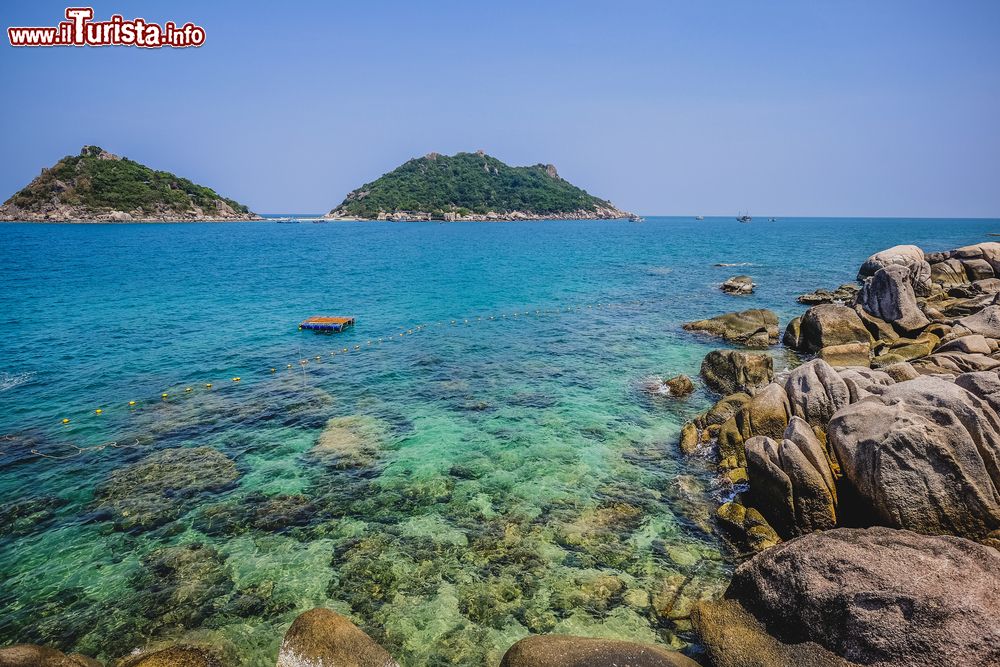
x: 471, y: 186
x: 97, y: 186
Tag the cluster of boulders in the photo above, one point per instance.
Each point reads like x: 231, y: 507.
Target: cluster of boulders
x: 867, y: 479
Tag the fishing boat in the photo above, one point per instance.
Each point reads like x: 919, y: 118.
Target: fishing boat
x: 636, y: 218
x: 744, y: 217
x: 699, y: 217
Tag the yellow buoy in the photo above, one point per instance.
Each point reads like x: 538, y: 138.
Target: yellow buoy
x: 345, y: 349
x: 289, y: 365
x: 208, y: 385
x: 65, y: 421
x: 163, y: 395
x: 131, y: 402
x: 274, y: 370
x: 187, y: 388
x: 98, y: 411
x: 236, y: 379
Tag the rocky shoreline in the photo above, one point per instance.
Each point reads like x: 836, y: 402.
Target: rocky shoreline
x: 82, y: 215
x: 600, y: 213
x: 862, y: 489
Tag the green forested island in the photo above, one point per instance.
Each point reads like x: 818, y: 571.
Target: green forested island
x: 471, y: 186
x: 97, y: 186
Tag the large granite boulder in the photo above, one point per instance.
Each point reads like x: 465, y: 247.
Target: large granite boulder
x: 924, y: 455
x: 570, y: 651
x: 791, y: 483
x: 753, y: 328
x: 888, y: 295
x: 815, y: 391
x: 984, y: 384
x: 733, y: 371
x: 31, y: 655
x: 829, y: 325
x: 323, y: 638
x: 877, y: 597
x: 910, y: 257
x: 863, y: 382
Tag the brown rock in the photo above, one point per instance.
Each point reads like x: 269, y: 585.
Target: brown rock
x: 323, y: 638
x: 570, y: 651
x: 829, y: 324
x: 753, y: 328
x: 732, y: 371
x: 31, y: 655
x: 747, y: 525
x: 847, y: 592
x: 175, y: 656
x: 680, y: 385
x: 848, y: 354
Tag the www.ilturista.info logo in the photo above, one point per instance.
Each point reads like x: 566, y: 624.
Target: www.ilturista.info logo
x: 80, y: 30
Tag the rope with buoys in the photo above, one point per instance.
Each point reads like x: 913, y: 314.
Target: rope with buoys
x: 372, y: 343
x: 81, y: 450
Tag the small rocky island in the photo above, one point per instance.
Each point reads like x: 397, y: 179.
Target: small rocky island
x: 97, y: 186
x: 472, y: 186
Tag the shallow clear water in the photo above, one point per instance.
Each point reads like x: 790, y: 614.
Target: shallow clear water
x: 452, y: 488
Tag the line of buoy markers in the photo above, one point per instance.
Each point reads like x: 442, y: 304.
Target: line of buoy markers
x: 133, y: 404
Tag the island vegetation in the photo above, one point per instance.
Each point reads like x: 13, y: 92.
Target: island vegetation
x: 99, y: 186
x: 471, y: 186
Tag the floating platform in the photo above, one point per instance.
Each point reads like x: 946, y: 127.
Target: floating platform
x: 322, y: 323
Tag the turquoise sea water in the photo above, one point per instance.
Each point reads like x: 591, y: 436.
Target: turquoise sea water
x: 493, y: 471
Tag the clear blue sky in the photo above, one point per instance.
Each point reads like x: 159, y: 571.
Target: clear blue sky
x: 824, y: 108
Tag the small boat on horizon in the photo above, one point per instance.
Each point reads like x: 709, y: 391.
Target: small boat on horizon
x: 744, y: 217
x: 636, y: 218
x: 699, y: 217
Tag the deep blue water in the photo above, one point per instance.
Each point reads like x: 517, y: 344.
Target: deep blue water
x: 505, y: 419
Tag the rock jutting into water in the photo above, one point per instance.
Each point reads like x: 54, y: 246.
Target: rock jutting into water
x: 739, y: 285
x: 893, y: 424
x: 753, y: 328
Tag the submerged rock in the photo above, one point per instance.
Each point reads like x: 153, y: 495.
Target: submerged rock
x: 349, y: 442
x: 323, y: 638
x: 31, y: 655
x: 753, y: 328
x: 849, y: 596
x: 174, y: 656
x: 925, y: 455
x: 740, y: 285
x: 733, y: 371
x: 162, y: 486
x: 570, y: 651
